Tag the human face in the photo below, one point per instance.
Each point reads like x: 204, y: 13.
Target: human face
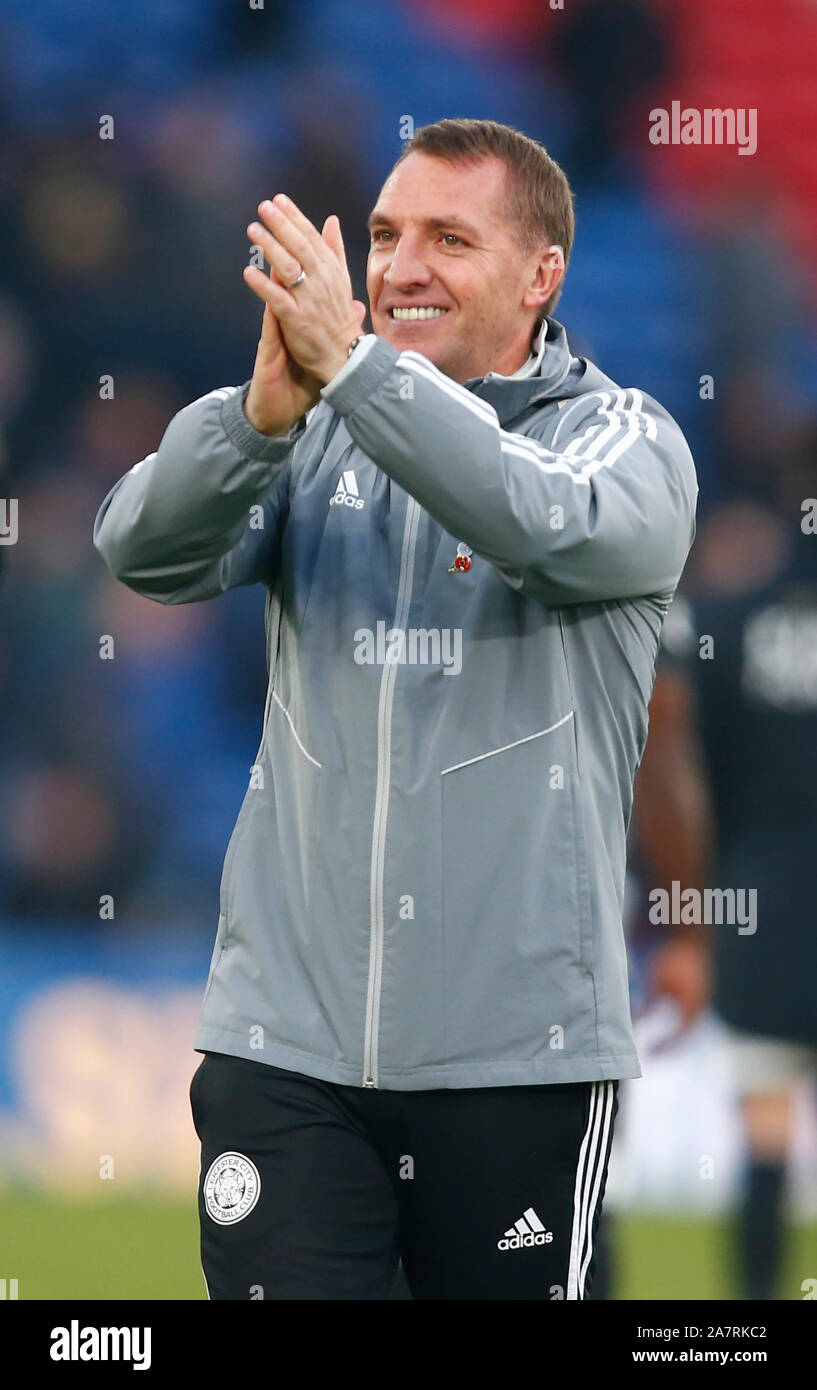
x: 440, y: 240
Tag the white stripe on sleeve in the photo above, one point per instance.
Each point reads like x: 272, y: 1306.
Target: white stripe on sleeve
x: 601, y: 443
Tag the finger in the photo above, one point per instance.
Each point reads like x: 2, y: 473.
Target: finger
x: 300, y: 222
x: 360, y: 310
x: 333, y: 237
x: 294, y: 230
x: 282, y: 262
x: 271, y: 339
x: 280, y: 300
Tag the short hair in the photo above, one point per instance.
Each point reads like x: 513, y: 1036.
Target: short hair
x: 540, y: 200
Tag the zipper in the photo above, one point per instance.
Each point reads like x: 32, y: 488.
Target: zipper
x: 381, y: 802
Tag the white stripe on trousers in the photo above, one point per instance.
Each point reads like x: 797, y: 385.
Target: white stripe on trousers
x: 593, y: 1156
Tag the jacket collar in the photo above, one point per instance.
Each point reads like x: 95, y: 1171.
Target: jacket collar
x: 537, y: 351
x: 549, y: 367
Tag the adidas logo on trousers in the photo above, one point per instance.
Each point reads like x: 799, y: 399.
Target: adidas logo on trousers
x: 528, y: 1230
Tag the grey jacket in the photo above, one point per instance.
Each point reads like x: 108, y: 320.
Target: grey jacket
x: 424, y: 885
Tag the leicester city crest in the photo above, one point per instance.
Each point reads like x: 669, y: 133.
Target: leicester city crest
x: 231, y: 1188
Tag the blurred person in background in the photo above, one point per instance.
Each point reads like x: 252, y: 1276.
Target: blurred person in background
x: 755, y: 688
x: 672, y: 835
x: 670, y: 841
x: 340, y: 1032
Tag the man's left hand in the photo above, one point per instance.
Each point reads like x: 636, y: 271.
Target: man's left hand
x: 318, y: 318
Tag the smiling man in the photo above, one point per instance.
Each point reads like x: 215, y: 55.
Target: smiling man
x: 417, y: 1013
x: 450, y: 287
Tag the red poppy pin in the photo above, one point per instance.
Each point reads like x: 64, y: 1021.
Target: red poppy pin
x: 462, y: 560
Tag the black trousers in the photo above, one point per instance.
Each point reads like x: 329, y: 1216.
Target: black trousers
x: 312, y: 1190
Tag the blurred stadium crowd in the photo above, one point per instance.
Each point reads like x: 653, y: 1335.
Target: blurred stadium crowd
x: 694, y: 276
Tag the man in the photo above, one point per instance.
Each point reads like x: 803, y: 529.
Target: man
x: 670, y: 840
x: 417, y: 1014
x: 749, y: 655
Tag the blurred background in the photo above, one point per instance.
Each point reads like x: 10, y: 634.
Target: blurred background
x: 694, y: 277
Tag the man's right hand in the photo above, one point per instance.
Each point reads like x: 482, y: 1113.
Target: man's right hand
x: 280, y: 391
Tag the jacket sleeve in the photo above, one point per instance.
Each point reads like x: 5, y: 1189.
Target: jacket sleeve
x: 205, y: 512
x: 606, y: 512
